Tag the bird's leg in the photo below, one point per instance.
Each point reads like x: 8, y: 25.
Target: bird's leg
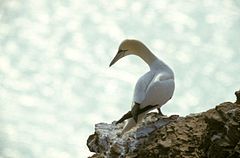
x: 160, y: 112
x: 135, y: 111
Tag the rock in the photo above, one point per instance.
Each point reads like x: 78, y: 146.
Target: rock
x: 214, y: 133
x: 237, y: 93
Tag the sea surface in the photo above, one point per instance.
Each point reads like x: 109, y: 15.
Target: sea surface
x: 55, y: 80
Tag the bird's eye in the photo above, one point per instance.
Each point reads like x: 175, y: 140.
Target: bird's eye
x: 121, y: 50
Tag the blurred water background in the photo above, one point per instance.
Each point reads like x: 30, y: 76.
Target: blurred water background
x: 55, y: 83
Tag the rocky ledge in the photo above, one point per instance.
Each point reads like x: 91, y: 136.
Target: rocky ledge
x: 214, y: 133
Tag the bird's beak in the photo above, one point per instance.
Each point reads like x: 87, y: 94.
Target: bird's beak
x: 119, y: 55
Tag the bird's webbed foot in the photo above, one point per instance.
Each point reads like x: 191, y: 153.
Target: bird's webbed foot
x: 135, y: 111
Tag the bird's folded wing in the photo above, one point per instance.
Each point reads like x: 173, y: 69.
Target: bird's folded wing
x: 158, y: 92
x: 142, y: 86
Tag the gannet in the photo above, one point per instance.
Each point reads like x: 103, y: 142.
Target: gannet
x: 153, y: 89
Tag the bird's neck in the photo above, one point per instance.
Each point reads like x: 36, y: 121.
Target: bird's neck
x: 147, y: 56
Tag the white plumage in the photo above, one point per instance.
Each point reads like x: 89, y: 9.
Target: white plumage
x: 155, y: 87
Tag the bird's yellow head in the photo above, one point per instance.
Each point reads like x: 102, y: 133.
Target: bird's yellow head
x: 127, y: 47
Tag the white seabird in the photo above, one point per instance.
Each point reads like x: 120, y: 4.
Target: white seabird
x: 153, y: 89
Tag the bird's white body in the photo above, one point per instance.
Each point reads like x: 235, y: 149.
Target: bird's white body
x: 155, y: 87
